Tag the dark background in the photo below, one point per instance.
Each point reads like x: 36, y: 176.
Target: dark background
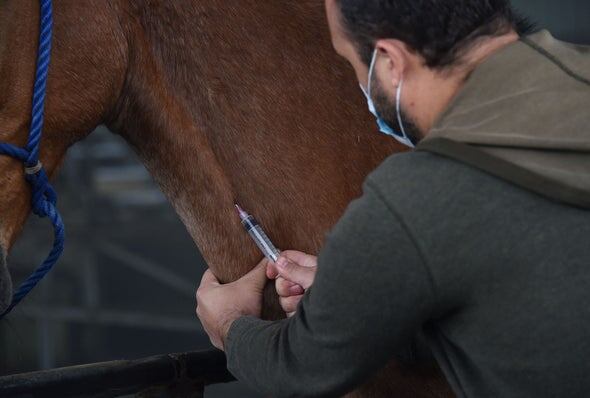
x: 124, y: 287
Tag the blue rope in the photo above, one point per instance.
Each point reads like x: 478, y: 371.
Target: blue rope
x: 43, y: 196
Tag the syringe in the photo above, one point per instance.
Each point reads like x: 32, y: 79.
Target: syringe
x: 255, y: 231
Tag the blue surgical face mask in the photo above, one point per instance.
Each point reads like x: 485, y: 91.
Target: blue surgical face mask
x: 383, y: 126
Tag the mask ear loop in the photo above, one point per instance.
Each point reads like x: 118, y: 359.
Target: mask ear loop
x: 398, y: 98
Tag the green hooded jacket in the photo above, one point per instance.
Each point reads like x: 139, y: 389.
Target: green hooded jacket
x: 476, y: 244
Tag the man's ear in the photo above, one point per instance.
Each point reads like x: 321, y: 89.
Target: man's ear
x: 391, y: 61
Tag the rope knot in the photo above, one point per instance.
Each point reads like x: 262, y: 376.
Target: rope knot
x: 34, y: 169
x: 43, y: 197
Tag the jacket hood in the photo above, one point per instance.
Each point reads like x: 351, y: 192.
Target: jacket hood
x: 528, y: 106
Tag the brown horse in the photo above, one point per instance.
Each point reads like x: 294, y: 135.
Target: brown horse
x: 224, y: 101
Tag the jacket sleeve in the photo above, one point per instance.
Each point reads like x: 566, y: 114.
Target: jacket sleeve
x: 371, y: 294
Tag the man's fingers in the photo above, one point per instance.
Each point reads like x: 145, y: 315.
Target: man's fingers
x: 287, y: 288
x: 271, y: 270
x: 303, y: 259
x: 295, y: 273
x: 209, y: 279
x: 289, y: 304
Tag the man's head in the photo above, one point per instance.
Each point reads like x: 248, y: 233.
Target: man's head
x: 430, y: 46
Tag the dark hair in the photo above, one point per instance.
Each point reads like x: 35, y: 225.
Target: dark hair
x: 439, y: 30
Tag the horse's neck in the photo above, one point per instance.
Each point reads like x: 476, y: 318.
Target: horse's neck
x: 209, y: 105
x: 163, y: 129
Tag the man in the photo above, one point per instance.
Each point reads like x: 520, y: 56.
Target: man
x: 478, y: 240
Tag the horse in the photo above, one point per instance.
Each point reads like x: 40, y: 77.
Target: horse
x: 224, y: 102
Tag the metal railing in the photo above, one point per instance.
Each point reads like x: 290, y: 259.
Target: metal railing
x: 182, y: 375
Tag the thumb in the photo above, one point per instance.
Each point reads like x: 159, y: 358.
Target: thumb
x: 258, y: 274
x: 295, y: 273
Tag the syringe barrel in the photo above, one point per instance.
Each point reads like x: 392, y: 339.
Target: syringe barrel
x: 260, y: 238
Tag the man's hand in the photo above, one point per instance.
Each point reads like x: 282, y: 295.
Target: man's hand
x: 219, y: 305
x: 294, y: 272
